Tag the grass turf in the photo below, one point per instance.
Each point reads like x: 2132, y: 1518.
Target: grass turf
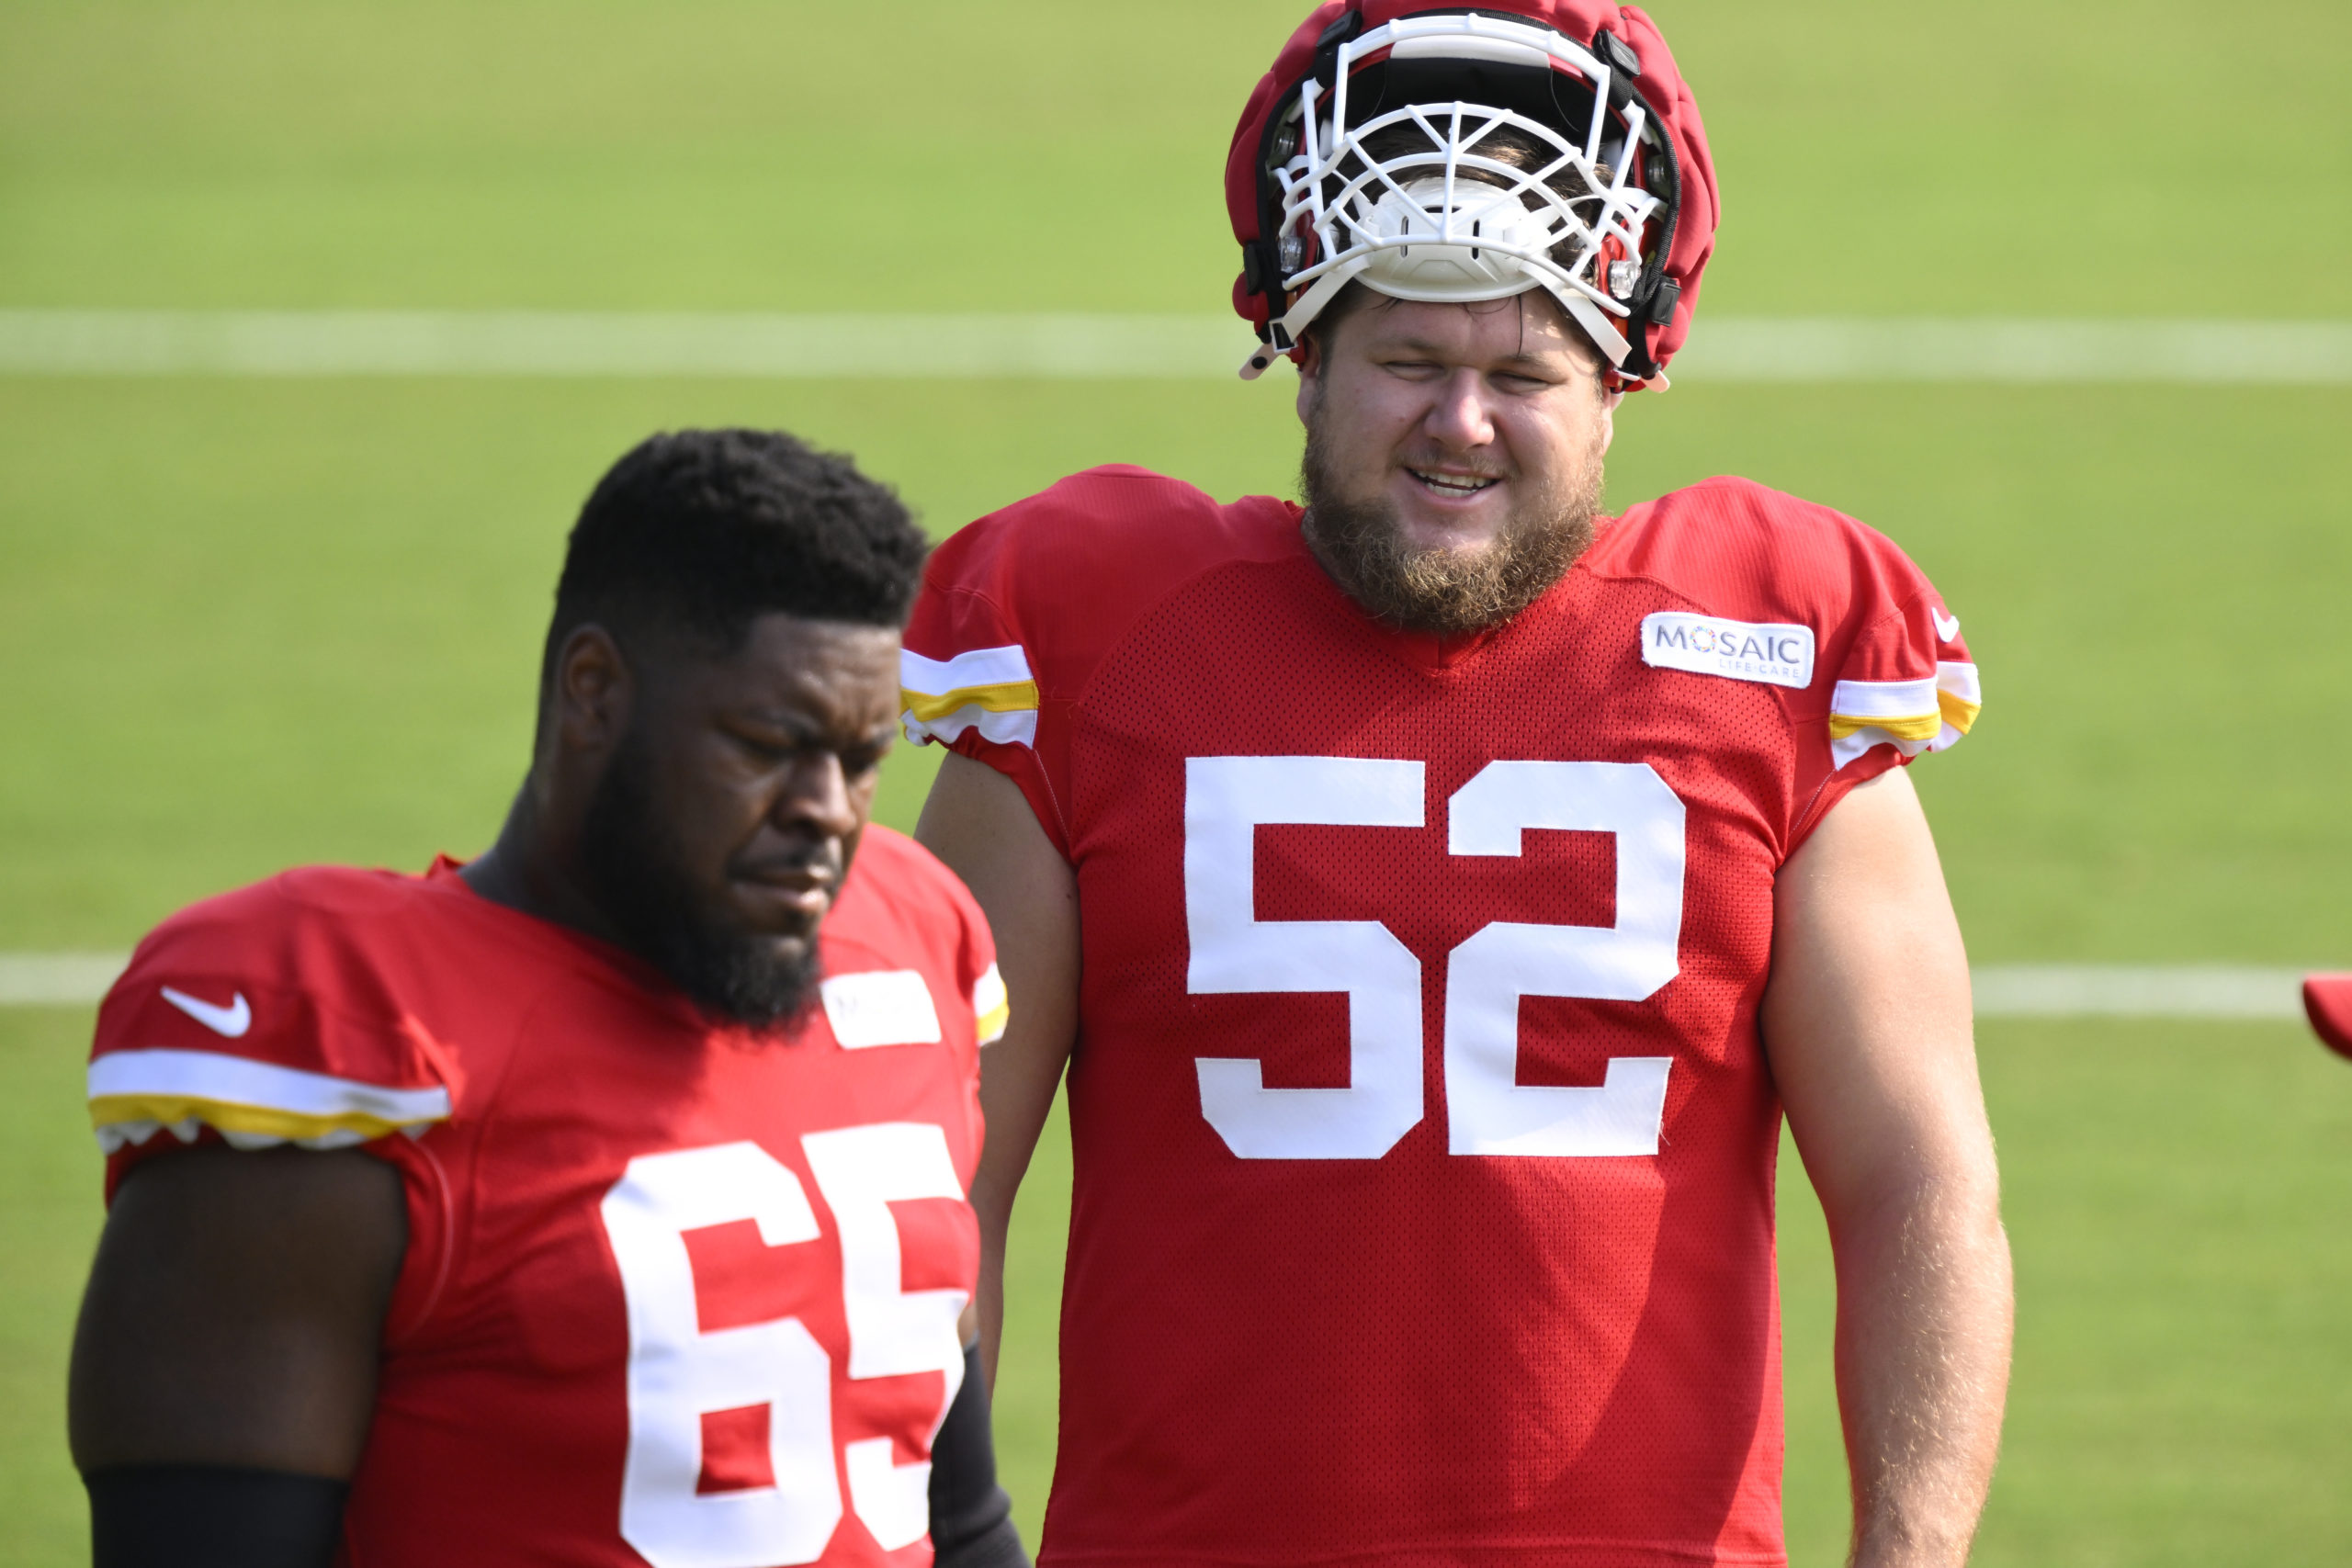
x: 250, y: 624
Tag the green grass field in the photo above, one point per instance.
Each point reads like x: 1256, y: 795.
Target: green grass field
x: 244, y: 624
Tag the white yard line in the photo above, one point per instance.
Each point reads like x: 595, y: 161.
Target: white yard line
x: 1085, y: 347
x: 57, y: 979
x: 2109, y: 990
x: 2003, y: 990
x: 533, y: 343
x: 2019, y: 351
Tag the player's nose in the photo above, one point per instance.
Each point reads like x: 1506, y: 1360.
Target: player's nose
x: 816, y: 795
x: 1458, y: 416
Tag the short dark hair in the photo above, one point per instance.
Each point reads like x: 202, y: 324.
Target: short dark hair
x: 702, y: 531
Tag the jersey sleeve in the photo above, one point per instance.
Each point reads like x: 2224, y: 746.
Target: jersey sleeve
x: 1903, y: 682
x: 251, y: 1021
x: 1908, y: 685
x: 1020, y: 608
x: 965, y: 678
x: 1872, y: 670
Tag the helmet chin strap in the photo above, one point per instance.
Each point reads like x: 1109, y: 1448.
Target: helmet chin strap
x: 1597, y: 326
x: 1300, y: 316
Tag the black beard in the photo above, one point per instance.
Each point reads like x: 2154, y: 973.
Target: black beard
x: 632, y: 868
x: 1361, y: 546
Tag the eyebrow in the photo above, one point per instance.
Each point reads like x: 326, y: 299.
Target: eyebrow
x: 1427, y: 346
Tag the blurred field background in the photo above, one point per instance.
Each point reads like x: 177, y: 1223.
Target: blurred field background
x: 248, y: 623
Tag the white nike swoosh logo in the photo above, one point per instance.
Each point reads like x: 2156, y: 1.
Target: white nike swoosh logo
x: 232, y: 1020
x: 1946, y: 627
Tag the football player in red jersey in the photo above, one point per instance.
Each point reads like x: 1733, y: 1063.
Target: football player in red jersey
x: 602, y: 1201
x: 1437, y: 896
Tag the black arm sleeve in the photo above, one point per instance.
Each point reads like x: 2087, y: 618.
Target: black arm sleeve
x: 971, y: 1518
x: 203, y: 1515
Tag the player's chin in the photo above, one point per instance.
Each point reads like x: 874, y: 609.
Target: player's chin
x: 790, y: 951
x: 779, y: 911
x: 1462, y: 525
x: 778, y: 953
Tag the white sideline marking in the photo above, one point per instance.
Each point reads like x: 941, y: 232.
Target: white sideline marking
x: 534, y: 343
x: 2003, y: 990
x: 57, y: 979
x: 2106, y: 990
x: 1084, y: 347
x: 2019, y: 351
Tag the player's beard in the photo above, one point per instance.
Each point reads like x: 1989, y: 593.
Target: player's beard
x: 634, y: 866
x: 1362, y: 547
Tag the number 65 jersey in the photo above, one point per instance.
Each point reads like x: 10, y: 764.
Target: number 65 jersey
x: 1424, y: 1142
x: 673, y: 1294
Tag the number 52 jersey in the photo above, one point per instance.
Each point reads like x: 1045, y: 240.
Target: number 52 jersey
x: 673, y: 1295
x: 1424, y: 1141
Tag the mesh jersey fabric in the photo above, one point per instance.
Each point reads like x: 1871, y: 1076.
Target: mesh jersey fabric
x: 1393, y: 1352
x: 663, y: 1278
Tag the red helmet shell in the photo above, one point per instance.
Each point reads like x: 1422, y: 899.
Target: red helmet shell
x: 2328, y: 999
x: 1661, y: 86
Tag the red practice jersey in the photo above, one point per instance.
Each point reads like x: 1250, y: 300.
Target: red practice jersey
x: 673, y: 1295
x: 1424, y: 1141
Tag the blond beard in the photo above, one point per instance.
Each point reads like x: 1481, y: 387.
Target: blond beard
x: 1362, y: 547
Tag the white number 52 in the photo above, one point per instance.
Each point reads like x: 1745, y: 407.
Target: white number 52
x: 1227, y: 798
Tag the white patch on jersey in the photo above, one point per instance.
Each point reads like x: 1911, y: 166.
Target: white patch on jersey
x: 1737, y: 650
x: 882, y: 1007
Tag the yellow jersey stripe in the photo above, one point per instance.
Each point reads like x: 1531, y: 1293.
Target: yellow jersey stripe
x: 1911, y: 726
x: 990, y: 1007
x: 1010, y: 696
x: 1958, y: 712
x: 226, y: 1116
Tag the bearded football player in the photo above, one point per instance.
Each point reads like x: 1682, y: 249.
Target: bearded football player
x: 1438, y: 894
x: 602, y: 1201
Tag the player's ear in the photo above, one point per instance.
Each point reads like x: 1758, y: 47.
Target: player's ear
x: 593, y: 690
x: 1310, y: 369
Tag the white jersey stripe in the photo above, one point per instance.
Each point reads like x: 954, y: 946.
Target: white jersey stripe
x: 1884, y: 699
x: 235, y: 1080
x: 1016, y: 727
x: 979, y: 667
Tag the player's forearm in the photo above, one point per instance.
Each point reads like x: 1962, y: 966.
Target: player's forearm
x: 989, y: 1302
x: 1017, y: 1084
x: 1924, y: 1318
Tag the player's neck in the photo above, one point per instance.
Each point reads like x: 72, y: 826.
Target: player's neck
x: 537, y: 872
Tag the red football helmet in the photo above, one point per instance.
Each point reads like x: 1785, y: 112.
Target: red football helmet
x: 2328, y: 999
x: 1454, y: 154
